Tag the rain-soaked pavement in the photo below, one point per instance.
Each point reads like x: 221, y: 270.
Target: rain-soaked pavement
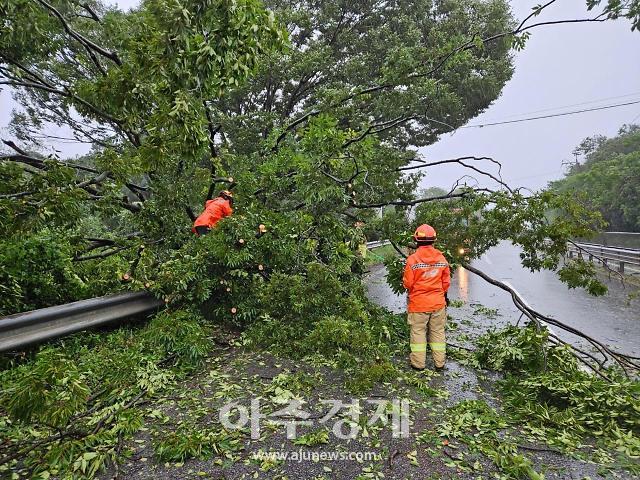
x: 613, y: 318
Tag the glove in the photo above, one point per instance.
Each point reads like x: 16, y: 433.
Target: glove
x: 446, y: 299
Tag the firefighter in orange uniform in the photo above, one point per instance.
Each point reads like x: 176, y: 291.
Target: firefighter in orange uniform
x: 427, y: 278
x: 214, y: 211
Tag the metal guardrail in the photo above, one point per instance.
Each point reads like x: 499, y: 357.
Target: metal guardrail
x: 615, y: 239
x: 378, y: 243
x: 626, y: 260
x: 28, y: 328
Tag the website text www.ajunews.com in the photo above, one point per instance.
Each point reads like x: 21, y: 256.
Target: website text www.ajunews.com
x: 302, y: 455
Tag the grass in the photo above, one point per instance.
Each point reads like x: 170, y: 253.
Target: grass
x: 376, y: 255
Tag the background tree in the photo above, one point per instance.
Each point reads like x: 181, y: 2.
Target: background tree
x: 608, y: 178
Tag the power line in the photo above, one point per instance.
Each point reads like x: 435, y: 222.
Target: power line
x: 552, y: 115
x: 565, y: 106
x: 546, y: 174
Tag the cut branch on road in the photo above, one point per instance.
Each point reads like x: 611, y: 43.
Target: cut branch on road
x: 626, y: 362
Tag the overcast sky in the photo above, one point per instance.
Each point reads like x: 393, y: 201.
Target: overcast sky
x: 562, y: 68
x: 561, y: 65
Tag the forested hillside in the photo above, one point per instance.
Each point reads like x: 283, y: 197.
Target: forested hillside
x: 607, y: 176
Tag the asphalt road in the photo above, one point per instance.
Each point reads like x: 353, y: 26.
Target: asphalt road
x: 613, y: 318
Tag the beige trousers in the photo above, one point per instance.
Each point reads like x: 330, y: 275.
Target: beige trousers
x: 419, y: 323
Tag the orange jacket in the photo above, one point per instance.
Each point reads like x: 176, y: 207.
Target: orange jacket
x: 214, y: 211
x: 427, y: 278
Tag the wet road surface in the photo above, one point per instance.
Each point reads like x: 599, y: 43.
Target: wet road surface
x: 613, y: 318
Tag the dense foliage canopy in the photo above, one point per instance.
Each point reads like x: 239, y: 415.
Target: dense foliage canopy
x: 607, y: 176
x: 313, y: 130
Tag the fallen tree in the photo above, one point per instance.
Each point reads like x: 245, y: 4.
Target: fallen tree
x: 312, y: 138
x: 312, y: 115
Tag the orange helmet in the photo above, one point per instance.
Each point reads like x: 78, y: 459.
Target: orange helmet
x: 424, y: 233
x: 227, y: 195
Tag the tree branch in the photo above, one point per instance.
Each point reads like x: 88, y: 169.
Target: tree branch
x: 212, y: 132
x: 622, y: 360
x: 601, y: 260
x: 292, y: 127
x: 38, y: 82
x: 34, y: 76
x: 11, y: 196
x: 536, y: 12
x: 212, y: 148
x: 80, y: 38
x: 460, y: 161
x: 378, y: 128
x: 95, y: 180
x: 397, y: 249
x: 190, y: 213
x: 91, y: 12
x: 410, y: 203
x: 68, y: 94
x: 96, y: 256
x: 39, y: 163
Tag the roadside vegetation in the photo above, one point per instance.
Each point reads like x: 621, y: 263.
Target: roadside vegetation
x: 377, y: 255
x: 606, y: 175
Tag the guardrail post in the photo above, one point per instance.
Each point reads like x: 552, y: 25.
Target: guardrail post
x: 570, y: 253
x: 621, y: 269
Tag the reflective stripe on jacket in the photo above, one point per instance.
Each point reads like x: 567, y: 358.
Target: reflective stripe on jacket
x: 427, y: 278
x: 214, y: 211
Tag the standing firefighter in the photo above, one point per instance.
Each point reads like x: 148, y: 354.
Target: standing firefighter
x: 214, y: 211
x: 427, y: 278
